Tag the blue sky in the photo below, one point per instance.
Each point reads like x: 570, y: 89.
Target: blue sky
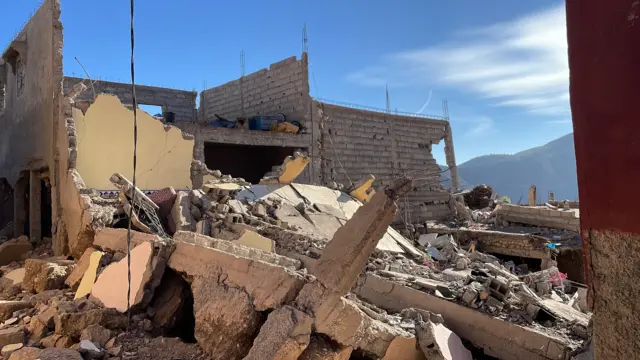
x: 502, y: 65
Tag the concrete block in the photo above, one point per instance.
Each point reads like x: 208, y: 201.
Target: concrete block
x: 8, y: 307
x: 269, y: 285
x: 45, y: 274
x: 284, y: 336
x: 225, y: 317
x: 11, y: 335
x: 14, y: 250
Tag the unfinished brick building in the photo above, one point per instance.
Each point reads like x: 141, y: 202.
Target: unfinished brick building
x: 346, y: 144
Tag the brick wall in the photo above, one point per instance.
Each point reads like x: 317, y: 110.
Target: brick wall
x: 180, y: 102
x: 385, y: 145
x: 283, y: 88
x: 540, y: 216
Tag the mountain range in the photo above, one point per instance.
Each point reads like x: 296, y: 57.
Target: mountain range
x: 550, y: 167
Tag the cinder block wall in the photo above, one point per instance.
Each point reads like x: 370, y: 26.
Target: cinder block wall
x: 180, y: 102
x: 283, y: 88
x: 387, y: 146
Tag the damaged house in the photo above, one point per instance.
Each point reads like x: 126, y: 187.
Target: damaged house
x: 282, y: 251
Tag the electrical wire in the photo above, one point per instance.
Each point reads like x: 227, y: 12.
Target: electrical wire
x: 135, y: 148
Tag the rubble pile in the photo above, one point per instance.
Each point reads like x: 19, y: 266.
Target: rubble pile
x: 270, y: 271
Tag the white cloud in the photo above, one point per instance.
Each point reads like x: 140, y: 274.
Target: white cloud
x: 521, y: 63
x: 479, y: 126
x: 558, y: 122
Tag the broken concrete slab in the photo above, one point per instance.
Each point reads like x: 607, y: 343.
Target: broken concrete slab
x: 97, y: 334
x: 7, y: 350
x: 346, y: 254
x: 15, y: 277
x: 90, y: 274
x: 46, y: 274
x: 181, y: 218
x: 322, y: 349
x: 348, y: 325
x: 439, y: 343
x: 78, y: 272
x: 254, y: 240
x: 284, y: 335
x: 37, y: 329
x: 115, y: 240
x: 14, y: 249
x: 226, y: 320
x: 232, y: 248
x: 498, y: 338
x: 7, y: 308
x: 564, y: 311
x: 292, y: 168
x: 269, y: 285
x: 147, y: 266
x: 11, y: 335
x: 74, y: 316
x: 404, y: 348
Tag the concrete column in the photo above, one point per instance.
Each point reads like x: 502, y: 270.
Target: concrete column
x: 532, y: 195
x: 603, y: 38
x: 450, y: 155
x: 19, y: 206
x: 35, y: 207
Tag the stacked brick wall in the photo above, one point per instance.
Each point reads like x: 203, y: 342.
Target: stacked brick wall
x: 540, y: 216
x: 283, y: 88
x: 385, y: 145
x: 182, y: 103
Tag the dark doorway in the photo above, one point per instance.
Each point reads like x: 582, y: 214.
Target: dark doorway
x: 245, y: 161
x: 46, y: 213
x: 6, y: 203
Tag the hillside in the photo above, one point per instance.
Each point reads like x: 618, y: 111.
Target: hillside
x: 551, y: 167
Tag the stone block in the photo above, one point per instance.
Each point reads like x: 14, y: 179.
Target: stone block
x: 72, y: 317
x: 269, y: 285
x: 284, y: 335
x: 147, y: 267
x: 226, y: 320
x: 7, y: 350
x: 14, y: 250
x: 97, y: 334
x: 11, y: 335
x: 7, y: 308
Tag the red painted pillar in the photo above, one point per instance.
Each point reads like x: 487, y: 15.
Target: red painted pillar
x: 604, y: 62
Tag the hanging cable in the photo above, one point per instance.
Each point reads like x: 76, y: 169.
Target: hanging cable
x: 135, y: 148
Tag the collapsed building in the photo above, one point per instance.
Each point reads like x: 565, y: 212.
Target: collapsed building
x: 272, y: 253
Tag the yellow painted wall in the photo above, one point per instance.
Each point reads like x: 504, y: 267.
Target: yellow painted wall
x: 105, y: 146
